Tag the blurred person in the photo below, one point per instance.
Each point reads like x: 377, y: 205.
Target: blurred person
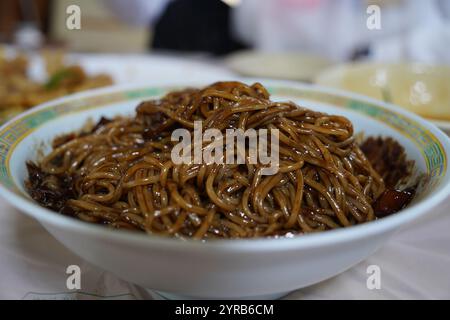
x: 182, y: 25
x: 413, y: 30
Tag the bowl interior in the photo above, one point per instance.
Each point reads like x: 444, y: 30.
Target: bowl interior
x: 29, y: 136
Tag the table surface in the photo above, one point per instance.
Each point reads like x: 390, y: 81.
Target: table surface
x: 414, y: 264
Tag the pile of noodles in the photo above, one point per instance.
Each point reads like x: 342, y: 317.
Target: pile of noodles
x: 121, y: 173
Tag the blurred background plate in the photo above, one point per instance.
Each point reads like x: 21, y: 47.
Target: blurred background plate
x: 44, y: 65
x: 155, y: 68
x: 133, y: 68
x: 289, y: 66
x: 420, y: 88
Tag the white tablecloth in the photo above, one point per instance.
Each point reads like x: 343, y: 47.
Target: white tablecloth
x: 414, y: 264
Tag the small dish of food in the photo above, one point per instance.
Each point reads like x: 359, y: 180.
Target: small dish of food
x: 109, y: 174
x: 422, y: 89
x: 20, y: 91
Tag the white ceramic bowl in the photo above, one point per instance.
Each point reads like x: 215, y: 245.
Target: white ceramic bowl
x: 263, y: 268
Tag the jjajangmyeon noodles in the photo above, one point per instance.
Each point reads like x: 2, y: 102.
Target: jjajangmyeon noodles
x: 121, y: 173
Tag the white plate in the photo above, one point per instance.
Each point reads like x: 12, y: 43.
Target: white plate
x: 288, y: 66
x: 152, y: 68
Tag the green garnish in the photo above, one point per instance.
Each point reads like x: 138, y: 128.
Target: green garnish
x: 56, y: 79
